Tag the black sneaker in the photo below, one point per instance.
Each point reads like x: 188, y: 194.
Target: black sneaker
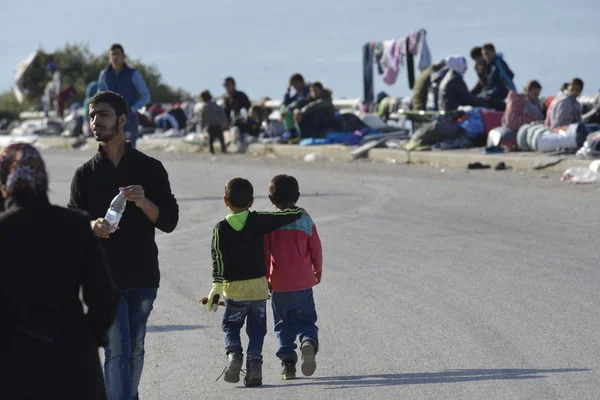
x: 289, y: 370
x: 232, y: 371
x: 308, y: 351
x: 253, y: 373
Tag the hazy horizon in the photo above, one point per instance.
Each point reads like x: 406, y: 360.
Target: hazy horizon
x: 196, y: 45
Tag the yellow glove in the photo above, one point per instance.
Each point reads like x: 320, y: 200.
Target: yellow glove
x: 214, y: 296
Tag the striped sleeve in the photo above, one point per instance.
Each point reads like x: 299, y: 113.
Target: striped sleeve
x: 271, y: 221
x: 217, y: 256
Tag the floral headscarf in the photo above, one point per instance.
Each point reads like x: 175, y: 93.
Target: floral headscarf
x: 22, y: 171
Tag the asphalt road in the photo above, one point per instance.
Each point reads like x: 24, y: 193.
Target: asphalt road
x: 436, y: 285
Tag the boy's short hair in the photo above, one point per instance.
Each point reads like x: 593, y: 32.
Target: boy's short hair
x: 489, y: 47
x: 206, y: 96
x: 296, y: 78
x: 284, y: 190
x: 533, y: 84
x: 113, y: 99
x: 239, y: 192
x: 576, y: 82
x: 117, y: 46
x: 476, y: 52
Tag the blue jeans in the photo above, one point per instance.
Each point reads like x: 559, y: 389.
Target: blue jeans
x: 131, y: 128
x: 124, y: 355
x: 294, y: 315
x: 236, y: 312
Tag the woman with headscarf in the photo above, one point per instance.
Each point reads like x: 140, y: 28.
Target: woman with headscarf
x: 453, y: 89
x: 48, y: 345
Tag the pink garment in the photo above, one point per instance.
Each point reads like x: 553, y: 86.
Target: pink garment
x: 394, y: 61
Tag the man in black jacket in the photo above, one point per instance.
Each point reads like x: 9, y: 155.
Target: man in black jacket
x: 131, y: 250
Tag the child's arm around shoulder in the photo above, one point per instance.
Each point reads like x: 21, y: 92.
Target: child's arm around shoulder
x: 216, y: 251
x: 269, y: 221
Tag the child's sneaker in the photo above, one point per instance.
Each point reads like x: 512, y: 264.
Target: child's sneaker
x: 308, y: 351
x: 253, y: 373
x: 232, y: 371
x: 289, y: 370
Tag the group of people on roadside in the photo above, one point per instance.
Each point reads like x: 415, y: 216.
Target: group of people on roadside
x: 441, y: 87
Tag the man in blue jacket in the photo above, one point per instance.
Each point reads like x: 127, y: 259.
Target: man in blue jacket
x: 499, y: 78
x: 129, y: 83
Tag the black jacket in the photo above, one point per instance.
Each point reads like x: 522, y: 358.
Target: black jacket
x: 498, y: 85
x: 238, y: 249
x: 131, y: 250
x: 49, y: 346
x: 235, y: 103
x: 454, y: 93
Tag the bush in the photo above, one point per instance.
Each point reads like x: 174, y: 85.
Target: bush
x: 80, y: 66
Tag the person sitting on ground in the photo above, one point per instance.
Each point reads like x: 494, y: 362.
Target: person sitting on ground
x: 565, y: 109
x: 316, y: 114
x: 433, y: 92
x: 301, y: 92
x: 234, y: 101
x: 523, y: 108
x: 453, y: 89
x: 499, y: 78
x: 550, y: 100
x: 480, y: 68
x: 213, y: 120
x: 422, y: 85
x: 593, y: 115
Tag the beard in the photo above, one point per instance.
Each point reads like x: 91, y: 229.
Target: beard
x: 108, y: 133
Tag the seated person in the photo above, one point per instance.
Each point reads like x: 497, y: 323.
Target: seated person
x: 523, y: 108
x: 434, y: 88
x: 301, y: 92
x: 315, y: 114
x: 480, y: 68
x: 499, y: 78
x: 549, y: 100
x: 453, y: 89
x: 565, y: 109
x: 166, y: 121
x: 422, y: 85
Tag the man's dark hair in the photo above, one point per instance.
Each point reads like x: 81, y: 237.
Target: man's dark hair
x: 117, y: 46
x: 296, y: 78
x: 576, y: 82
x: 229, y: 79
x: 115, y: 100
x: 206, y: 96
x: 565, y: 86
x: 489, y: 46
x: 317, y: 85
x: 533, y: 84
x: 239, y: 192
x: 284, y: 190
x: 476, y: 52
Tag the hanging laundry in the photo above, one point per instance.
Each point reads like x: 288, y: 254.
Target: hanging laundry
x: 378, y: 53
x: 423, y: 53
x: 387, y: 54
x: 395, y: 58
x: 368, y: 88
x: 410, y: 64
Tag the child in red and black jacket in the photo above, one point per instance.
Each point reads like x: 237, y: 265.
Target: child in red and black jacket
x: 239, y: 274
x: 294, y: 260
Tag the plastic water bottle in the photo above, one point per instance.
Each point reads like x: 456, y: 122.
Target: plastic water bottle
x: 115, y: 211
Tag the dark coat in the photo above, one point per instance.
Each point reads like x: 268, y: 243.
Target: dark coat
x: 49, y: 346
x: 454, y: 93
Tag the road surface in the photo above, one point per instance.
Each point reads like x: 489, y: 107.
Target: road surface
x: 436, y: 284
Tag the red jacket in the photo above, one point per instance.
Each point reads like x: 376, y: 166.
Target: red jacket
x: 293, y: 256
